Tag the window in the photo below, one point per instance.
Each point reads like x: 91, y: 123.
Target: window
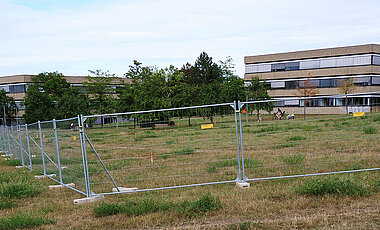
x: 17, y: 89
x: 285, y: 66
x: 325, y: 83
x: 290, y: 84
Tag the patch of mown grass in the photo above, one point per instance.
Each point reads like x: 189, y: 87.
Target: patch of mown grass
x: 20, y: 190
x: 205, y: 204
x: 293, y: 159
x: 296, y: 138
x: 23, y: 221
x: 370, y: 130
x: 333, y: 185
x: 12, y: 162
x: 5, y: 177
x: 4, y: 204
x: 281, y: 146
x: 243, y: 226
x: 146, y: 134
x: 118, y: 164
x: 131, y: 208
x: 184, y: 151
x: 248, y: 163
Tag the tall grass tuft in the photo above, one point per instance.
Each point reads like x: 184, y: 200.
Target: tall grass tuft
x: 12, y: 162
x: 131, y: 208
x: 333, y: 185
x: 4, y: 204
x: 184, y: 151
x: 200, y: 207
x: 296, y: 138
x: 20, y: 190
x: 293, y: 159
x: 23, y: 221
x: 370, y: 130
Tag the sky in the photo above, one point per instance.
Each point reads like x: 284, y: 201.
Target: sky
x: 74, y: 36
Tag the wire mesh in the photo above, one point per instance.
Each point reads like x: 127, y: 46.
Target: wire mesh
x: 159, y: 149
x: 293, y: 145
x: 35, y: 149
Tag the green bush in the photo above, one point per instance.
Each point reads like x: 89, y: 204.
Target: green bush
x: 200, y: 207
x: 20, y: 190
x: 4, y: 204
x: 370, y: 130
x: 23, y: 221
x: 333, y: 185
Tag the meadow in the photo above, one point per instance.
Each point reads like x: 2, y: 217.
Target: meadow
x: 164, y: 156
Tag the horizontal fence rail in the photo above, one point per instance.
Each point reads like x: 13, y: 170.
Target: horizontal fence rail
x: 193, y: 146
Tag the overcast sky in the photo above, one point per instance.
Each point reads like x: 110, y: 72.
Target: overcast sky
x: 74, y: 36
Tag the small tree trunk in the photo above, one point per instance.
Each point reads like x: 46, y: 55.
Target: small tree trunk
x: 346, y: 105
x: 189, y: 122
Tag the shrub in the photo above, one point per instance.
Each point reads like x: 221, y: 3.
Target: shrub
x: 333, y: 185
x: 370, y: 130
x: 20, y: 190
x: 200, y: 207
x: 23, y: 221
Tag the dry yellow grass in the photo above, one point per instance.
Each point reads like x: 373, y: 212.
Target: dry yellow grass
x: 327, y: 145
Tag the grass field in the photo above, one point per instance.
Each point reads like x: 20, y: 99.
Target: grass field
x: 185, y: 155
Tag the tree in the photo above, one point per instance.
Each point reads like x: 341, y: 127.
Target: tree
x: 8, y: 104
x: 346, y: 86
x: 102, y: 95
x: 50, y: 96
x: 257, y: 90
x: 306, y: 89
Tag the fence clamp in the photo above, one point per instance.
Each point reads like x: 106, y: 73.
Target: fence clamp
x: 80, y: 128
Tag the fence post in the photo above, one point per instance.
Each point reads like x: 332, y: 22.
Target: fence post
x: 57, y: 147
x: 27, y: 142
x: 237, y: 140
x: 14, y: 141
x: 9, y: 143
x: 42, y: 147
x: 1, y: 139
x: 20, y: 144
x: 84, y: 156
x: 240, y: 105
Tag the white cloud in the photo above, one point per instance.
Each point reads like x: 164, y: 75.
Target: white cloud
x: 110, y: 34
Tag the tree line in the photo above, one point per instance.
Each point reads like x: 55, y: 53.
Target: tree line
x: 204, y: 82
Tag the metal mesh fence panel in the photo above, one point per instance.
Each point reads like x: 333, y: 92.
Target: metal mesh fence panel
x: 69, y: 147
x: 35, y: 149
x: 291, y: 144
x: 162, y: 149
x: 48, y: 145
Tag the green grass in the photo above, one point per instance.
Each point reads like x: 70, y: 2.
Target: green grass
x: 281, y: 146
x: 20, y: 190
x: 244, y: 226
x: 131, y: 208
x: 5, y: 204
x: 184, y: 151
x: 296, y: 138
x: 370, y: 130
x: 334, y: 185
x: 205, y: 204
x: 12, y: 162
x: 293, y: 159
x: 23, y: 221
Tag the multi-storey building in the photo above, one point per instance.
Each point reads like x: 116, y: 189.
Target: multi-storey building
x: 15, y: 86
x: 327, y: 68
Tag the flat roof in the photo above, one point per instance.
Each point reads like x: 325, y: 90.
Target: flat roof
x: 316, y: 53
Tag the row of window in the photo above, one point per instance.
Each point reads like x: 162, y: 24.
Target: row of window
x: 324, y: 83
x: 330, y: 102
x: 19, y: 88
x: 317, y: 63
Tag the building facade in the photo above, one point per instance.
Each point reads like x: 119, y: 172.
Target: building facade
x: 283, y: 72
x: 16, y: 86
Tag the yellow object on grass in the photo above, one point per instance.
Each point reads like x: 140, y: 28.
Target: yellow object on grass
x: 359, y: 114
x: 208, y: 126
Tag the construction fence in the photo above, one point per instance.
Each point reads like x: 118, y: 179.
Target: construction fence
x: 192, y: 146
